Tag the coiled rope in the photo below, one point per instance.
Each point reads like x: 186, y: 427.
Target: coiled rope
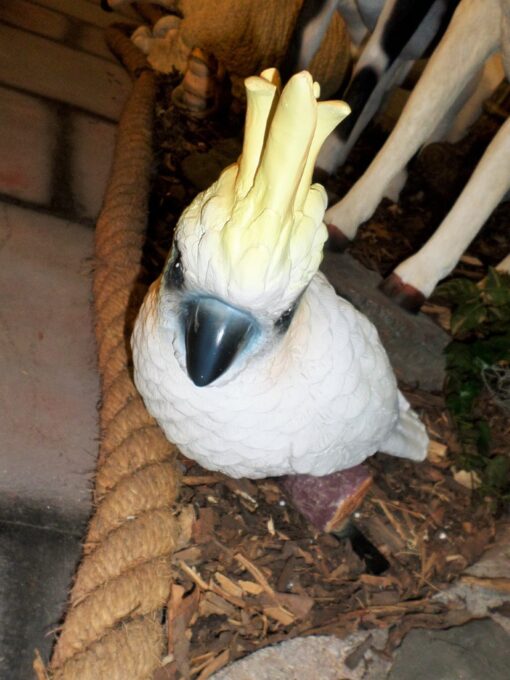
x: 112, y: 629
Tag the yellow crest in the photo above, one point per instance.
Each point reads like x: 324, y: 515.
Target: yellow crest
x: 256, y: 236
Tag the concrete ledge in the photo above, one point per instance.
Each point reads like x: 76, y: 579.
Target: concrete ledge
x: 414, y: 343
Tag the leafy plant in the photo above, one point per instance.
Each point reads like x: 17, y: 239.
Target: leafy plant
x: 480, y: 325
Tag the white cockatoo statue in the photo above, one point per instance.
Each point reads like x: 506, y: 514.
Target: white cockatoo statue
x: 243, y: 352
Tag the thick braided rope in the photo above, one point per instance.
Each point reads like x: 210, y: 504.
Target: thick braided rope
x: 112, y: 627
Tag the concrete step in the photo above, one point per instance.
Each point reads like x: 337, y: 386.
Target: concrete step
x: 49, y: 387
x: 39, y: 550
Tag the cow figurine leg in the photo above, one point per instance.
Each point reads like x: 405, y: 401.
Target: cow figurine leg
x: 486, y: 83
x: 311, y: 26
x: 415, y: 278
x: 472, y: 36
x: 403, y: 32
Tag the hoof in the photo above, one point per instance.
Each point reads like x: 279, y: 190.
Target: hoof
x: 403, y: 294
x: 337, y: 241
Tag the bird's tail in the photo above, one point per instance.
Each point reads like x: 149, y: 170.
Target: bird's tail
x: 409, y: 439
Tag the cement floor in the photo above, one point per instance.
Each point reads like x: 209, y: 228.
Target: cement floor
x: 61, y: 95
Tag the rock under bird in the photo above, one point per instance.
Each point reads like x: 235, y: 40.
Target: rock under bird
x: 242, y: 350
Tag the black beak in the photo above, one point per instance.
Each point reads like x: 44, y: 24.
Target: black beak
x: 106, y: 6
x: 215, y: 334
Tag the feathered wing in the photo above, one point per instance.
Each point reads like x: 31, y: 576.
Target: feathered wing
x: 409, y: 439
x: 350, y: 384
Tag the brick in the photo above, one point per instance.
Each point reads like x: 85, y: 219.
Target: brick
x: 47, y: 68
x: 93, y: 143
x: 27, y: 132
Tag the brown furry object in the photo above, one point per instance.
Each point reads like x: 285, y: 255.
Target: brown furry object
x: 246, y: 37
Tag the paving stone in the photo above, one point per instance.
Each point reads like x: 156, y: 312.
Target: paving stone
x: 414, y: 343
x: 495, y: 562
x: 477, y: 651
x: 319, y: 657
x: 93, y: 143
x: 41, y: 66
x: 49, y: 387
x: 27, y: 140
x: 37, y: 562
x: 484, y: 595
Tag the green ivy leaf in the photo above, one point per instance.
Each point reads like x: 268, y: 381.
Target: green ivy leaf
x: 467, y: 317
x: 499, y: 317
x: 458, y: 291
x: 497, y: 472
x: 489, y: 351
x: 481, y: 323
x: 484, y: 437
x: 460, y: 401
x: 458, y: 357
x: 497, y: 288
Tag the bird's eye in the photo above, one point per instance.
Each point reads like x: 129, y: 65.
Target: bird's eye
x: 283, y: 322
x: 174, y: 277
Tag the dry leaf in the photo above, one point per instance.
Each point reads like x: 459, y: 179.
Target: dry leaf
x: 180, y: 612
x: 199, y: 480
x: 228, y: 585
x: 469, y: 259
x: 203, y: 528
x: 191, y: 555
x: 254, y: 571
x: 186, y: 519
x: 436, y: 452
x: 246, y: 491
x: 215, y: 665
x: 194, y: 575
x: 39, y: 667
x: 298, y: 605
x: 211, y: 603
x: 251, y: 587
x: 279, y: 614
x: 470, y: 480
x: 378, y: 581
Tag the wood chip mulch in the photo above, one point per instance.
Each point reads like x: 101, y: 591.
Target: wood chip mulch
x: 255, y: 573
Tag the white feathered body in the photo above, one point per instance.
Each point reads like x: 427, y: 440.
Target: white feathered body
x: 322, y: 398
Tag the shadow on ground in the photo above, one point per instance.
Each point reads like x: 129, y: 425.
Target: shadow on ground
x: 38, y: 554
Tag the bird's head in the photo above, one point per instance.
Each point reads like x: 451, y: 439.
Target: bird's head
x: 246, y: 248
